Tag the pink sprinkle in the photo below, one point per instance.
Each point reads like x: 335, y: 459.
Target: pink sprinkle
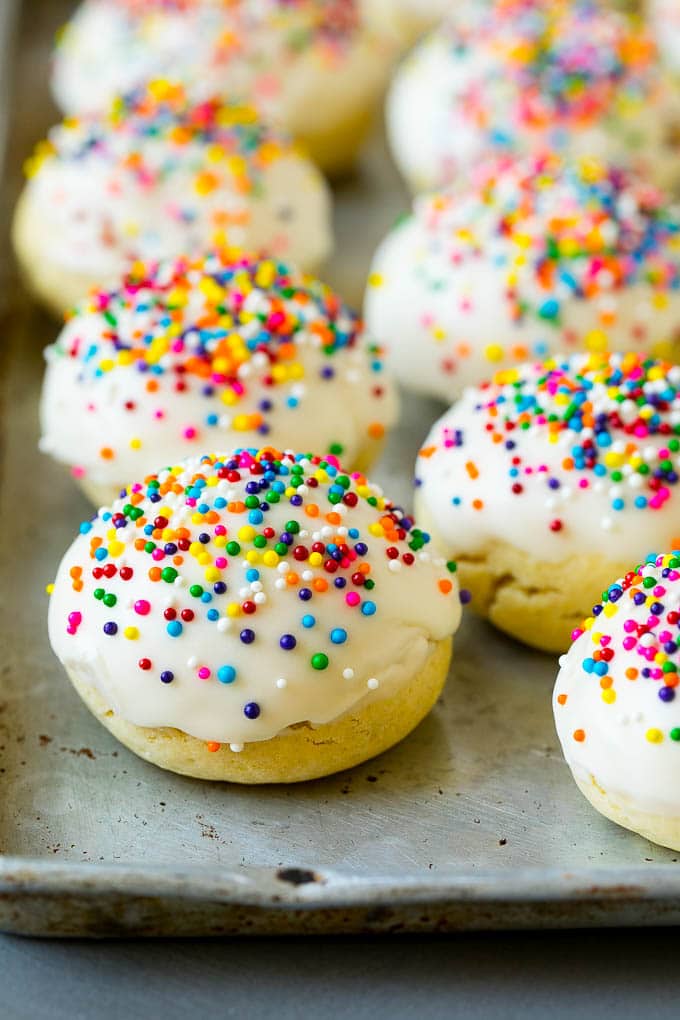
x: 142, y: 607
x: 190, y: 432
x: 203, y: 673
x: 352, y: 598
x: 221, y: 562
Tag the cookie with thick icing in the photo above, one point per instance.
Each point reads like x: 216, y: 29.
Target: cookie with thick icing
x: 255, y: 617
x: 157, y: 176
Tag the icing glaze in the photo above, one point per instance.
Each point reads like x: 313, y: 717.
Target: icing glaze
x: 234, y: 596
x: 615, y: 704
x: 515, y: 76
x: 573, y: 455
x: 159, y: 175
x: 535, y: 256
x: 209, y: 352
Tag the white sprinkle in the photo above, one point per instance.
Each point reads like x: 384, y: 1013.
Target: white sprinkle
x: 348, y: 674
x: 394, y: 566
x: 192, y: 662
x: 280, y: 583
x: 283, y: 567
x: 260, y: 598
x: 606, y: 524
x: 281, y: 683
x: 373, y: 684
x: 223, y: 624
x: 307, y: 575
x: 236, y: 748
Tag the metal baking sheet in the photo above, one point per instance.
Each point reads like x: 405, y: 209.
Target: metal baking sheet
x: 473, y: 822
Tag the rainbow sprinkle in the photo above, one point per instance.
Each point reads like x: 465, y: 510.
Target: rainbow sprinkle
x: 201, y: 533
x: 615, y: 416
x: 648, y: 600
x: 234, y: 329
x: 571, y: 63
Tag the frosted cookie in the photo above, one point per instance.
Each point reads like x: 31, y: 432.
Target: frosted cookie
x: 158, y: 176
x: 255, y: 617
x: 315, y: 68
x: 533, y: 257
x: 548, y: 481
x: 210, y: 352
x: 516, y: 76
x: 615, y: 703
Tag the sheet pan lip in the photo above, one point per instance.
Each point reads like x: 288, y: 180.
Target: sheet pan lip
x: 266, y: 888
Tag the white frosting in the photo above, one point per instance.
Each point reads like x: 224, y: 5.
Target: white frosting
x: 614, y: 728
x: 463, y: 94
x: 115, y: 423
x: 113, y: 190
x: 468, y: 283
x: 411, y: 611
x: 466, y: 472
x: 304, y: 65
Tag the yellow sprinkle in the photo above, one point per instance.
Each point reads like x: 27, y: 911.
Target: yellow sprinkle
x: 493, y: 352
x: 131, y: 633
x: 654, y: 736
x: 609, y: 696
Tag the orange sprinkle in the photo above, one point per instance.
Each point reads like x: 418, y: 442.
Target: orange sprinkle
x: 212, y: 746
x: 561, y: 699
x: 632, y: 673
x: 376, y: 430
x: 471, y: 469
x: 477, y: 504
x: 333, y: 517
x: 427, y: 451
x: 151, y: 386
x: 444, y: 586
x: 312, y: 510
x: 606, y: 682
x: 155, y: 574
x: 106, y: 453
x: 579, y: 735
x: 320, y: 584
x: 75, y: 571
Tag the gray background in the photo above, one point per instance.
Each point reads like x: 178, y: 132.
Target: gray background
x: 563, y: 974
x: 591, y: 974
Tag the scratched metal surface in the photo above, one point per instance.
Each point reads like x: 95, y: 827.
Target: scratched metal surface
x: 472, y: 822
